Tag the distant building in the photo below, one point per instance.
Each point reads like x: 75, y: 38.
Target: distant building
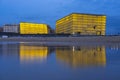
x: 52, y: 31
x: 13, y: 28
x: 1, y: 29
x: 34, y: 28
x: 83, y: 24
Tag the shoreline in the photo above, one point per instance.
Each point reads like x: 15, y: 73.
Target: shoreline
x: 66, y: 41
x: 105, y: 39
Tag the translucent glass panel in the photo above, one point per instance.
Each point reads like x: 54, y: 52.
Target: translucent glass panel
x: 82, y: 23
x: 31, y: 28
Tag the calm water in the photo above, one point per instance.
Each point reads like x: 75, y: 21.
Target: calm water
x: 20, y: 61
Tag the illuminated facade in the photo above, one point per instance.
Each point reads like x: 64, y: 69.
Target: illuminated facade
x: 82, y: 56
x: 83, y: 24
x: 33, y: 28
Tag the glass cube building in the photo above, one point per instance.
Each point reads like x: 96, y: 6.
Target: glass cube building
x: 34, y: 28
x: 83, y: 24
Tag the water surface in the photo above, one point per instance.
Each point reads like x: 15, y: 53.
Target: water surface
x: 20, y: 61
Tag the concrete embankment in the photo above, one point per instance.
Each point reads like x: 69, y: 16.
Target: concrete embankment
x: 66, y: 41
x: 89, y: 39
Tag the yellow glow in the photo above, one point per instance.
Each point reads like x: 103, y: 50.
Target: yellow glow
x: 82, y: 56
x: 31, y: 53
x: 82, y: 24
x: 32, y: 28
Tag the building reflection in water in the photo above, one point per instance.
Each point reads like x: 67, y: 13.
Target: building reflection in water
x: 31, y: 53
x: 82, y: 56
x: 7, y: 50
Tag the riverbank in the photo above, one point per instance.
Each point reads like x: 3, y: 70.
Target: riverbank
x: 82, y: 39
x: 105, y: 39
x: 65, y: 41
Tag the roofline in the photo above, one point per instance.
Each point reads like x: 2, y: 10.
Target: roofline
x: 11, y: 25
x: 81, y: 13
x: 33, y: 23
x: 90, y: 14
x: 37, y: 23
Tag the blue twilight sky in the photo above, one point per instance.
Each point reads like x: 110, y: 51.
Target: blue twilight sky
x: 48, y: 11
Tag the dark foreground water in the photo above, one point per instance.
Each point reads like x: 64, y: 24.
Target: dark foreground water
x: 20, y: 61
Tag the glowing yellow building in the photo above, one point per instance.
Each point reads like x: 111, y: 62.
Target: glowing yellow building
x: 82, y: 56
x: 83, y: 24
x: 30, y: 53
x: 33, y: 28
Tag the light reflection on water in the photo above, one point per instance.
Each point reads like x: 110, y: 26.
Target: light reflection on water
x: 66, y: 62
x: 33, y: 53
x: 82, y: 56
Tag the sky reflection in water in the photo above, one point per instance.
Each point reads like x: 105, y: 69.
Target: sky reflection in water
x: 26, y: 61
